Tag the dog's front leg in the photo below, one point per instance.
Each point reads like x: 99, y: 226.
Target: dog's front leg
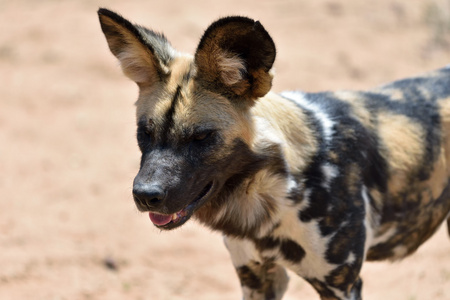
x: 261, y: 279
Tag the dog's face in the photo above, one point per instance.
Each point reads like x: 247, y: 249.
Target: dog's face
x: 194, y: 128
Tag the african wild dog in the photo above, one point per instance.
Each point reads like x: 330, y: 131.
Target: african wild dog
x: 313, y: 182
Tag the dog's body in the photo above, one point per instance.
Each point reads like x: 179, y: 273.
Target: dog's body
x: 316, y: 183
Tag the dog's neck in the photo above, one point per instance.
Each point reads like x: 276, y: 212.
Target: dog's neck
x: 280, y: 121
x: 249, y: 202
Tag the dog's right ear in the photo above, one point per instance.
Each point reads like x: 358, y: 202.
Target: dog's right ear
x: 234, y: 57
x: 143, y: 54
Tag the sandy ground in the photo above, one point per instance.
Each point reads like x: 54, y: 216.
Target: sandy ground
x: 68, y: 226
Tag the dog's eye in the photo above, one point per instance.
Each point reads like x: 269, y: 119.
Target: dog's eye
x: 147, y: 130
x: 203, y: 135
x: 145, y: 126
x: 200, y: 136
x: 144, y: 136
x: 144, y: 131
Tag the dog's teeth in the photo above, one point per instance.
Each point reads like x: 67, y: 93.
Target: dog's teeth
x: 174, y: 216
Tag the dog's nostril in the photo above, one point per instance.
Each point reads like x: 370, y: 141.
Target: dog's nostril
x: 152, y: 201
x: 148, y: 194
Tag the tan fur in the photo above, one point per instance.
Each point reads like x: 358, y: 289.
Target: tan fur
x: 299, y: 145
x: 393, y: 94
x: 439, y: 178
x: 356, y: 102
x: 444, y: 105
x: 262, y: 195
x: 261, y: 84
x: 135, y: 59
x: 155, y: 101
x: 395, y: 132
x: 216, y: 66
x: 179, y: 67
x: 353, y: 178
x: 377, y: 198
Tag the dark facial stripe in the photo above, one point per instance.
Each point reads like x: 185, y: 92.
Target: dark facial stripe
x: 188, y: 75
x: 169, y: 122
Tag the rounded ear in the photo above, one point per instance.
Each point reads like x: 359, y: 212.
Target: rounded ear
x: 234, y: 58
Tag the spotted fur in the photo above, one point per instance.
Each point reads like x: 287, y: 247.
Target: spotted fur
x: 312, y: 182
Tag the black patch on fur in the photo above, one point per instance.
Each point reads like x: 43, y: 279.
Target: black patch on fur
x: 266, y: 243
x: 169, y: 122
x: 322, y: 289
x: 347, y: 239
x: 189, y: 74
x: 249, y: 278
x: 352, y: 145
x: 342, y: 277
x: 415, y: 228
x: 317, y: 206
x: 438, y: 86
x: 292, y: 251
x: 144, y: 134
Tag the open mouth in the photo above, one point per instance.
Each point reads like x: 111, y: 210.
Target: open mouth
x: 179, y: 218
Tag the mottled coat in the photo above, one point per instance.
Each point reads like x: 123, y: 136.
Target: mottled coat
x: 313, y: 182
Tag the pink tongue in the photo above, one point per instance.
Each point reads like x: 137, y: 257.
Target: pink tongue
x: 160, y: 220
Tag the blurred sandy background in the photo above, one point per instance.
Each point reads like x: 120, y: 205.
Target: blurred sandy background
x: 68, y: 226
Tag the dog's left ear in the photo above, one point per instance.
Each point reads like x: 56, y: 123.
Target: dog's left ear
x: 143, y: 54
x: 234, y: 58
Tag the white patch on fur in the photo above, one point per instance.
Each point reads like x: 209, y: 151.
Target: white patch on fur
x: 265, y: 133
x: 308, y: 236
x: 369, y: 222
x: 292, y: 184
x: 241, y: 251
x: 351, y: 258
x: 353, y: 295
x: 339, y: 294
x: 324, y: 119
x: 384, y: 237
x: 329, y: 172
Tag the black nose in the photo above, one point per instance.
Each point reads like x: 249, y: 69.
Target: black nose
x: 148, y: 196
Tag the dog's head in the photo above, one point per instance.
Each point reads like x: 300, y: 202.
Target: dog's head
x: 194, y: 128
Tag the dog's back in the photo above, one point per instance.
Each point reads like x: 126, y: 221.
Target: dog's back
x: 416, y: 145
x: 392, y: 145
